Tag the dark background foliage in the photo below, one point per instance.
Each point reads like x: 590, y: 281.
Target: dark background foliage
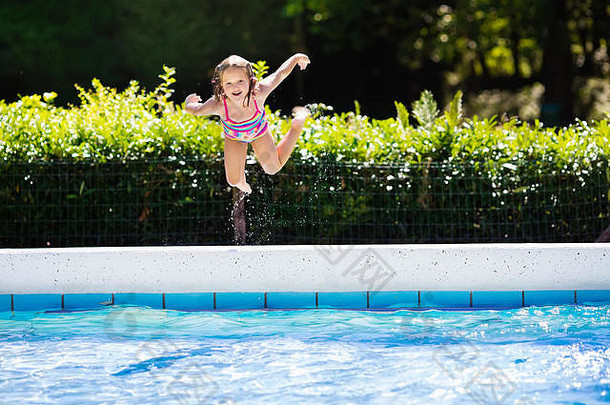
x: 366, y: 50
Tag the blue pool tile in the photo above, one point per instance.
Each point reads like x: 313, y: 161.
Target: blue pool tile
x: 559, y: 297
x: 86, y: 301
x: 240, y: 300
x: 393, y: 299
x: 153, y: 300
x: 445, y: 299
x: 586, y: 296
x: 342, y: 300
x: 36, y: 302
x: 291, y: 300
x: 5, y: 302
x: 189, y: 301
x: 497, y: 299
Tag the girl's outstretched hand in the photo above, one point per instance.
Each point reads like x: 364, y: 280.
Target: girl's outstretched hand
x: 302, y: 60
x: 192, y: 98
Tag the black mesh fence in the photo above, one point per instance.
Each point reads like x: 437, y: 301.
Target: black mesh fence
x: 167, y: 202
x: 113, y: 204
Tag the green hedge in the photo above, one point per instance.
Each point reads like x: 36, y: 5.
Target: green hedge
x: 153, y: 202
x: 131, y: 168
x: 136, y: 124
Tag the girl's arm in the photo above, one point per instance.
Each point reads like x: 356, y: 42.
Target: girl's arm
x: 193, y: 105
x: 269, y: 83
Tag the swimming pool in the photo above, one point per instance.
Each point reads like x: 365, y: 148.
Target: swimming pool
x: 447, y: 324
x: 131, y: 354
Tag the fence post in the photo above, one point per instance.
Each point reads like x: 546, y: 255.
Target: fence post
x: 239, y: 216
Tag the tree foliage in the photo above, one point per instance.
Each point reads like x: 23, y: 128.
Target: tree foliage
x: 368, y: 50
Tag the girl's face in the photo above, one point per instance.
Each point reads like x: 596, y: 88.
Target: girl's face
x: 235, y: 83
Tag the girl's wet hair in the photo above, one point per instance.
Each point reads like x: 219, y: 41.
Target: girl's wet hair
x: 235, y: 62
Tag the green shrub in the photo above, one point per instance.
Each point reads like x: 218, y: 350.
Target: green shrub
x: 132, y: 167
x: 107, y: 125
x: 134, y: 124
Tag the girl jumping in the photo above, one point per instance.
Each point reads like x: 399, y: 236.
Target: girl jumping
x: 239, y: 100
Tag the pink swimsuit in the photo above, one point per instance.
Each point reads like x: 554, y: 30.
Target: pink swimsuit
x: 245, y: 131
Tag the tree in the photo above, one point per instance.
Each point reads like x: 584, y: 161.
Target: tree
x: 369, y: 50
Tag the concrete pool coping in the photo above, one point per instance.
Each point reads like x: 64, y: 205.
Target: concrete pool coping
x: 306, y: 268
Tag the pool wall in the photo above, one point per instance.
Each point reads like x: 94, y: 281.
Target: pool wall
x: 325, y: 276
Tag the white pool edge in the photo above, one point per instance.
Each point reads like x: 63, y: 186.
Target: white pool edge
x: 306, y: 268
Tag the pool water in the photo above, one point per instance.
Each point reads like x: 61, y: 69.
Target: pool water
x: 128, y: 355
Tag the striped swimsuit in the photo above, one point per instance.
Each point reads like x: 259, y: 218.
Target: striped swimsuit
x: 245, y: 131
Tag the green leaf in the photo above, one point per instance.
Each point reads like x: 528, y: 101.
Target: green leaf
x: 260, y: 69
x: 49, y: 97
x: 402, y: 114
x: 425, y: 109
x: 454, y: 114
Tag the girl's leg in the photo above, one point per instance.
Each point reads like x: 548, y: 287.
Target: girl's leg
x: 288, y: 142
x: 235, y: 164
x: 271, y: 157
x: 266, y: 153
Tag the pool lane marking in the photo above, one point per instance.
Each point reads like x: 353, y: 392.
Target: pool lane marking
x: 62, y: 302
x: 367, y: 300
x: 419, y: 298
x: 316, y: 300
x: 265, y: 300
x: 575, y: 301
x: 163, y: 300
x: 470, y: 299
x: 214, y: 294
x: 12, y: 302
x: 522, y: 298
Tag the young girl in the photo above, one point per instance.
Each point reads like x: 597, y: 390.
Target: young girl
x: 239, y: 100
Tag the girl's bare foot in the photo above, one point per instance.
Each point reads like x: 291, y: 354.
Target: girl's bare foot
x: 245, y: 187
x: 299, y: 115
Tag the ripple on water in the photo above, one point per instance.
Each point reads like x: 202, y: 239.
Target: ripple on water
x: 132, y: 354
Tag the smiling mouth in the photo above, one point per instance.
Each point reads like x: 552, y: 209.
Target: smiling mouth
x: 236, y: 94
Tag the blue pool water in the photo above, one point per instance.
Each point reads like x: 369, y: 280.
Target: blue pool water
x: 129, y: 355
